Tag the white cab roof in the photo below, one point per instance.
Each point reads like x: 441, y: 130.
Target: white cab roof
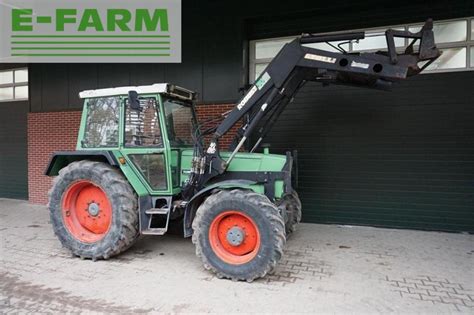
x: 143, y: 89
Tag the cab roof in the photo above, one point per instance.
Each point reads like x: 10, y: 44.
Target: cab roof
x: 157, y: 88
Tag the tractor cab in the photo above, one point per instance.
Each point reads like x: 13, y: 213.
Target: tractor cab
x: 145, y: 127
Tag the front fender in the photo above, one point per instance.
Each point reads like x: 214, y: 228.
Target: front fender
x: 198, y: 198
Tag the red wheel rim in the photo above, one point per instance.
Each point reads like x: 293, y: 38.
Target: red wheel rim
x: 86, y: 211
x: 234, y: 237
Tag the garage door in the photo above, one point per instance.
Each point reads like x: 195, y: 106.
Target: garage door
x: 400, y: 159
x: 13, y: 150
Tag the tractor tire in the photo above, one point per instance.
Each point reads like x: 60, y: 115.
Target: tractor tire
x: 239, y: 234
x: 290, y: 205
x: 93, y: 210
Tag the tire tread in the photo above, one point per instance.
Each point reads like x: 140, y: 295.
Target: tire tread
x: 121, y: 190
x: 268, y: 209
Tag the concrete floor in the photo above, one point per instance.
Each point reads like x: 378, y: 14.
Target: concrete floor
x: 326, y: 269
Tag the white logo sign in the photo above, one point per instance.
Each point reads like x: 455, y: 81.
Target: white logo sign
x: 247, y: 97
x: 360, y: 65
x: 320, y: 58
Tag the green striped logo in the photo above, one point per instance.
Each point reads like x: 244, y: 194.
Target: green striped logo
x: 127, y: 31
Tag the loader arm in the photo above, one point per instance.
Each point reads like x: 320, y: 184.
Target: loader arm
x: 297, y: 64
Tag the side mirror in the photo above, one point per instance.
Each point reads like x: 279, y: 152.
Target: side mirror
x: 133, y: 100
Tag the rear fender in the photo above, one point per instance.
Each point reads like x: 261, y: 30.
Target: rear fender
x: 59, y: 160
x: 199, y: 198
x: 62, y: 159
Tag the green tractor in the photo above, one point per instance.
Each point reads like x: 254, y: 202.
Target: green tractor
x: 144, y: 163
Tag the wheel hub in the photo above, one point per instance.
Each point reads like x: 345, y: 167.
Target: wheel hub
x: 87, y: 211
x: 235, y: 236
x: 93, y: 209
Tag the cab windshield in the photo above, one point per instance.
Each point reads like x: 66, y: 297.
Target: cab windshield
x: 179, y: 122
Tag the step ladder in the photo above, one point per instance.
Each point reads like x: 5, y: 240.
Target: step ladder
x: 154, y: 221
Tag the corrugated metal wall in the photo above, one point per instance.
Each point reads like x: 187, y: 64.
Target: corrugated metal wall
x: 13, y: 150
x: 397, y: 159
x: 214, y: 45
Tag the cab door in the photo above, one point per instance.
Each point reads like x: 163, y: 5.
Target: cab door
x: 143, y: 144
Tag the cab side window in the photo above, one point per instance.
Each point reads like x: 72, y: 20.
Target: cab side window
x: 152, y: 168
x: 101, y: 129
x: 142, y: 126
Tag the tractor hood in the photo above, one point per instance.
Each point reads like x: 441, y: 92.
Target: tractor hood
x: 242, y: 162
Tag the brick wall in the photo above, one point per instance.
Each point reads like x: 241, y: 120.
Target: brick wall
x: 47, y: 132
x: 57, y: 131
x: 214, y: 111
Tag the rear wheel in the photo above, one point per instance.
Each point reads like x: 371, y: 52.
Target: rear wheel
x: 239, y: 234
x: 93, y: 210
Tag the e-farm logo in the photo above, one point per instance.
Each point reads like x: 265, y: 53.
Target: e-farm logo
x: 116, y: 20
x: 90, y: 31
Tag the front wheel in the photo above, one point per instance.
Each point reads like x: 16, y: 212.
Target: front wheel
x: 239, y: 234
x: 93, y: 210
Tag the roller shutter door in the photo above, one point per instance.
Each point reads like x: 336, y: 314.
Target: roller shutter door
x: 400, y: 159
x: 13, y: 150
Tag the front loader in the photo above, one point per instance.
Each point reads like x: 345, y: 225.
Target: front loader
x: 144, y: 163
